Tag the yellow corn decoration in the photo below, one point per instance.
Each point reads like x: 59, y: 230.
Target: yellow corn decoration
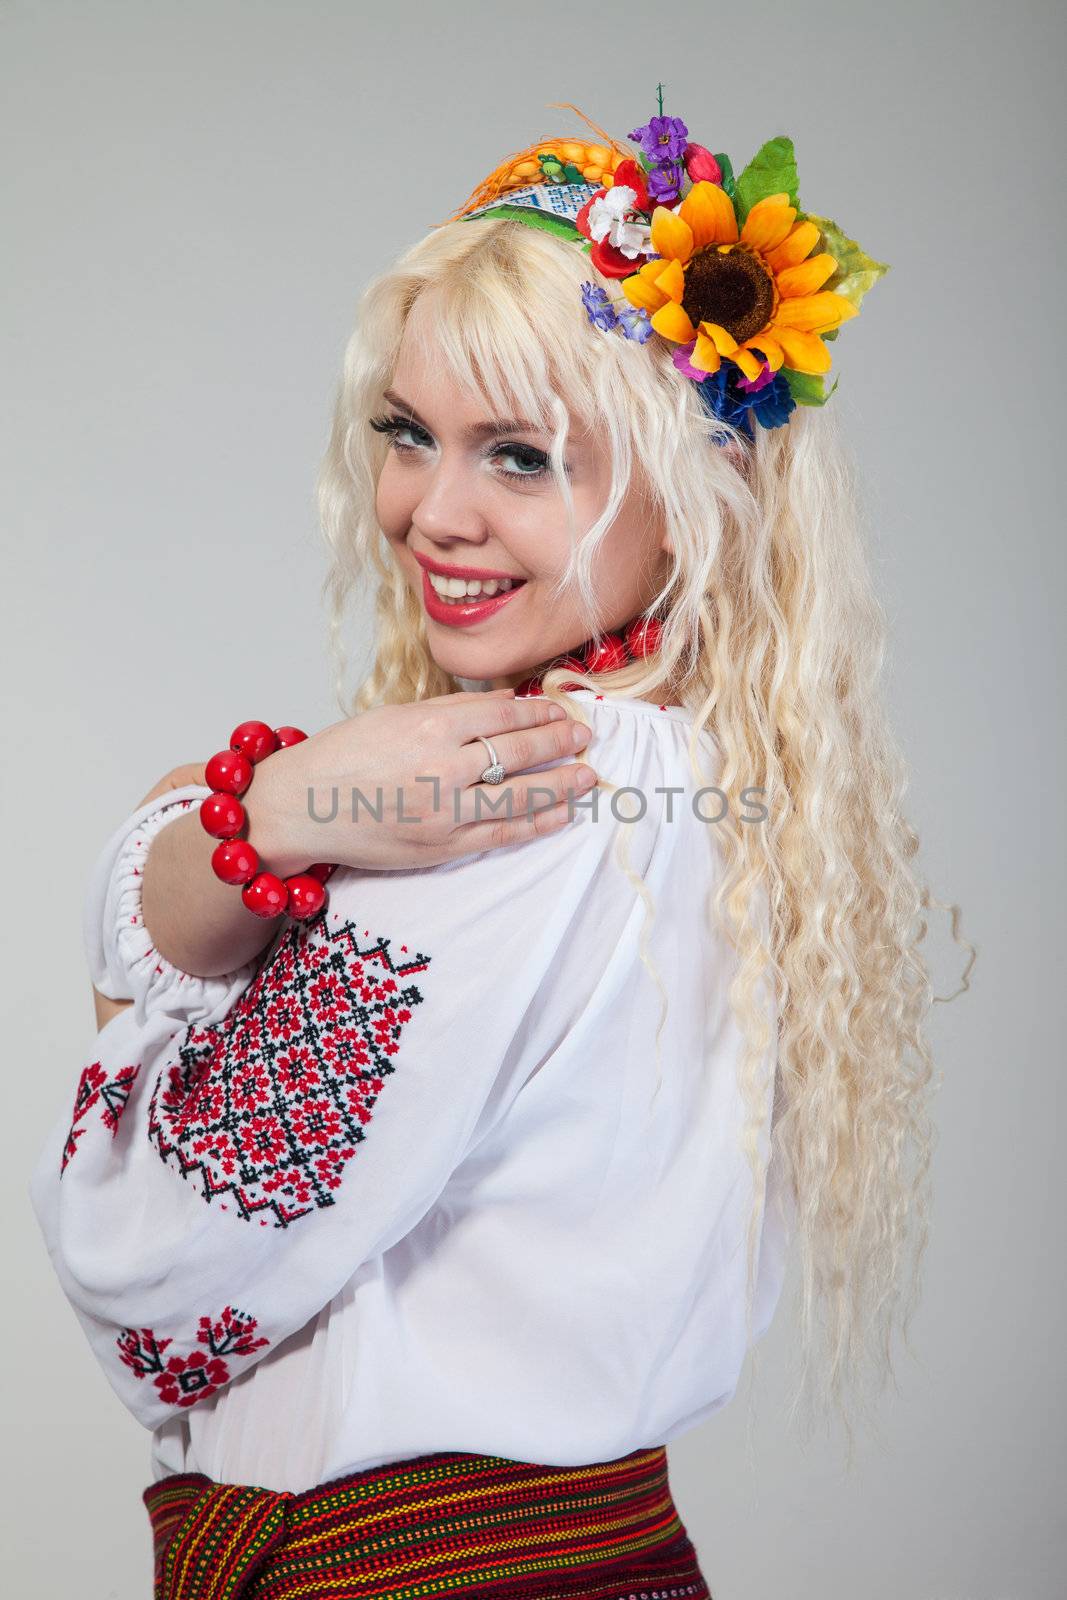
x: 596, y: 162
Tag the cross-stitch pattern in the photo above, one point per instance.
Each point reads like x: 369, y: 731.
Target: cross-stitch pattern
x: 96, y: 1089
x: 182, y: 1380
x: 562, y: 199
x: 268, y: 1107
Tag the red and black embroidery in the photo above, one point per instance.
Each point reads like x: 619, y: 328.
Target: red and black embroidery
x: 269, y: 1105
x: 182, y: 1380
x: 96, y: 1088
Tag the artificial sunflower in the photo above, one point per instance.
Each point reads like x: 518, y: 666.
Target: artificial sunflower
x: 740, y: 293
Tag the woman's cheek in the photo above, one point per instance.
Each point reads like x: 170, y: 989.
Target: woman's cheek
x: 387, y: 506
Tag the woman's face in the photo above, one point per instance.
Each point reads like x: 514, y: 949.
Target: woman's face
x: 464, y: 494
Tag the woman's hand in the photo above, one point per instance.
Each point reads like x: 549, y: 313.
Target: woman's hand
x: 202, y: 925
x: 418, y: 770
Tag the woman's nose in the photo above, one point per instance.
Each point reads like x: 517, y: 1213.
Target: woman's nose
x: 448, y: 507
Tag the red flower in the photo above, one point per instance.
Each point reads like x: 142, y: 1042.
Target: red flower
x: 610, y: 262
x: 633, y: 176
x: 581, y: 221
x: 701, y: 165
x: 605, y: 257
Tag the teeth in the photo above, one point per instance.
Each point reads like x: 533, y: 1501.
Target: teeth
x: 467, y: 589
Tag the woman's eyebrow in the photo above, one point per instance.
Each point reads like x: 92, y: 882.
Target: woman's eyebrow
x: 477, y: 430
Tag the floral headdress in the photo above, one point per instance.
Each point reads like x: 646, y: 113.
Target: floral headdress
x: 747, y: 287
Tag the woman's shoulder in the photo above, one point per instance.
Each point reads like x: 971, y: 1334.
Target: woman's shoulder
x: 652, y: 734
x: 618, y: 707
x: 630, y: 705
x: 653, y: 769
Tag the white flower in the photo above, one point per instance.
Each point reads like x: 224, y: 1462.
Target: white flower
x: 607, y: 221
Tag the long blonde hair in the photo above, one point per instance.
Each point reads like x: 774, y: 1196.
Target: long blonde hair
x: 773, y: 638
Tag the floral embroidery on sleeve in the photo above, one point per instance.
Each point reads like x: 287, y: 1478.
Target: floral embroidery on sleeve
x: 270, y: 1105
x: 96, y: 1088
x: 182, y: 1380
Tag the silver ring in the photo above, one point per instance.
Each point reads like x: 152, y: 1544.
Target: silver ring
x: 495, y: 773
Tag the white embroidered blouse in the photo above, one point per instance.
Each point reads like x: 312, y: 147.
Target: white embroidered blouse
x: 404, y: 1183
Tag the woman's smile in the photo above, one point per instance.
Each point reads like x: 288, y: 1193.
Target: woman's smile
x: 462, y: 608
x: 459, y: 596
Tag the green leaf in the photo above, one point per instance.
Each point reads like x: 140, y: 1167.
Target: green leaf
x: 727, y: 172
x: 772, y: 170
x: 856, y: 271
x: 807, y: 388
x: 534, y: 217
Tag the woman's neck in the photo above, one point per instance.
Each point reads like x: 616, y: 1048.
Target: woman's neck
x: 634, y: 642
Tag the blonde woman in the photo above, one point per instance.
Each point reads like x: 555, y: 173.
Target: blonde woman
x: 416, y: 1222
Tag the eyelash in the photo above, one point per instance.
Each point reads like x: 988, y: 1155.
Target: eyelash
x: 396, y: 425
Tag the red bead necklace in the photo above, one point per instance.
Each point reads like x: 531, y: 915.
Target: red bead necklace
x: 235, y: 860
x: 636, y: 641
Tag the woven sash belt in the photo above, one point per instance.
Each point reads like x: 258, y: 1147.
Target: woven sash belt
x: 431, y: 1525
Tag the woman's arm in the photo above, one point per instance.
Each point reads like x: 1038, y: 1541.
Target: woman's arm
x: 202, y: 926
x: 198, y: 923
x: 106, y: 1009
x: 224, y: 929
x: 195, y: 921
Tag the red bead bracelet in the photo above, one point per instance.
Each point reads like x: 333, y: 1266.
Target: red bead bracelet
x: 235, y: 860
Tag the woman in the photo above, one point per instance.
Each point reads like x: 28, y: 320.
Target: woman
x: 416, y: 1225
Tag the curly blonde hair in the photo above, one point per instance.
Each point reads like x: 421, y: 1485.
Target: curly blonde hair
x: 773, y: 639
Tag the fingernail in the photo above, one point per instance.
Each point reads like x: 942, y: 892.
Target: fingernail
x: 579, y: 736
x: 555, y: 712
x: 585, y: 777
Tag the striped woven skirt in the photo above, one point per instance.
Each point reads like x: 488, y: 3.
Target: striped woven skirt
x: 446, y: 1523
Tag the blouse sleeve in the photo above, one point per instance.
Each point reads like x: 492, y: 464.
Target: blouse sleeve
x: 123, y: 962
x: 218, y: 1183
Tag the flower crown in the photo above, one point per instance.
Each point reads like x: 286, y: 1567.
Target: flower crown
x: 748, y: 288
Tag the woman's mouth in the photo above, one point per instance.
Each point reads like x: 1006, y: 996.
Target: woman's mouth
x: 459, y: 602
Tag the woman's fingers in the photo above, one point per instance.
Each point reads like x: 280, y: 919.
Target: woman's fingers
x: 492, y: 713
x: 417, y: 766
x: 517, y: 800
x: 520, y: 748
x: 526, y: 821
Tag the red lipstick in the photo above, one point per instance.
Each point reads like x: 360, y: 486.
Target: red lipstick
x: 463, y: 613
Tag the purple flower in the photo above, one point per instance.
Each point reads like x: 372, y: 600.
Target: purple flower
x: 664, y: 183
x: 598, y: 307
x: 663, y: 139
x: 752, y: 385
x: 680, y: 356
x: 635, y: 323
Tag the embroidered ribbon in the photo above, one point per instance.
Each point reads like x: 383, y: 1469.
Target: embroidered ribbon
x: 211, y: 1538
x: 447, y: 1522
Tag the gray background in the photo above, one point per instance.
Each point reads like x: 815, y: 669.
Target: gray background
x: 194, y: 196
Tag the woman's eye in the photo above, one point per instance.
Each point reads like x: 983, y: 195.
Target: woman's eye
x: 531, y: 463
x: 394, y: 427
